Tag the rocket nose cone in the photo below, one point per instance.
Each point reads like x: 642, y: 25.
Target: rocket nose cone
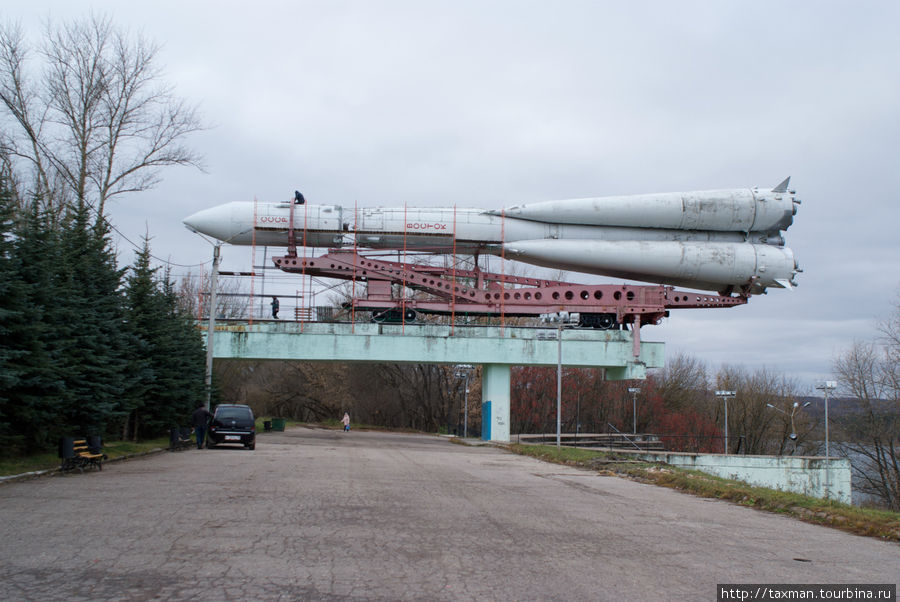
x: 215, y: 222
x: 192, y: 222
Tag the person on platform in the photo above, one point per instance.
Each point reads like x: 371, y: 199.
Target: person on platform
x: 275, y: 305
x: 346, y: 421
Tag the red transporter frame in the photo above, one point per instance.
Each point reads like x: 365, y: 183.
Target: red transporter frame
x: 604, y: 306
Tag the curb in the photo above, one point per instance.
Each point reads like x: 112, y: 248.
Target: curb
x: 52, y: 471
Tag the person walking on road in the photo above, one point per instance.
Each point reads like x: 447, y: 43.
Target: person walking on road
x: 346, y: 421
x: 200, y: 419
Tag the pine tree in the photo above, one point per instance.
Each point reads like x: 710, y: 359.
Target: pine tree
x: 93, y: 343
x: 172, y: 363
x: 143, y: 317
x: 81, y: 354
x: 189, y: 370
x: 33, y: 394
x: 11, y: 314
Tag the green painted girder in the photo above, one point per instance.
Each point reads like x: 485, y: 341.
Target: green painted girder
x: 441, y: 344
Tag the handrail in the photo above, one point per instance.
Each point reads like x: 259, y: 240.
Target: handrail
x: 625, y: 436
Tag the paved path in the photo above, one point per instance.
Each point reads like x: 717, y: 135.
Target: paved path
x: 316, y: 514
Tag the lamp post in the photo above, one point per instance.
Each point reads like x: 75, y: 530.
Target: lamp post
x: 794, y: 408
x: 211, y: 325
x: 634, y: 393
x: 561, y: 319
x: 725, y: 395
x: 825, y: 387
x: 463, y: 371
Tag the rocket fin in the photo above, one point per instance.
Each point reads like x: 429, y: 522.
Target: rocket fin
x: 785, y: 283
x: 783, y: 186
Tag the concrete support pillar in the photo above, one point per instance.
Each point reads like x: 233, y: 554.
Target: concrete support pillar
x: 495, y: 389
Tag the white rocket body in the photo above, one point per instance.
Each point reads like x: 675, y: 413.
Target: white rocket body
x: 710, y: 240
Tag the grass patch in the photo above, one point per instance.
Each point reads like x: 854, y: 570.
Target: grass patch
x: 14, y: 466
x: 49, y: 461
x: 861, y: 521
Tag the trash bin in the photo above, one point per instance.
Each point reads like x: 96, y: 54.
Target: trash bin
x: 173, y: 438
x: 267, y: 425
x: 278, y: 424
x: 94, y: 443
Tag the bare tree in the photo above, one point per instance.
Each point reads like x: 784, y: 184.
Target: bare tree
x: 93, y: 119
x: 890, y: 338
x: 763, y: 428
x: 683, y: 381
x: 869, y: 372
x: 237, y: 380
x: 193, y: 297
x: 423, y: 396
x: 306, y: 391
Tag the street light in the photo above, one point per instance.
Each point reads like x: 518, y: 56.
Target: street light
x: 463, y: 371
x: 725, y: 395
x: 561, y: 319
x: 826, y: 386
x: 794, y: 408
x: 211, y: 326
x: 634, y: 393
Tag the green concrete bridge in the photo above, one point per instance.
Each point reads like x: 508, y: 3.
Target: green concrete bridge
x: 496, y: 349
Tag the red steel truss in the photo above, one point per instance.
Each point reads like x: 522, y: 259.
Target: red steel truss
x: 478, y: 293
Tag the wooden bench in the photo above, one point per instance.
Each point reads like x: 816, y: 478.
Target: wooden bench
x: 81, y: 453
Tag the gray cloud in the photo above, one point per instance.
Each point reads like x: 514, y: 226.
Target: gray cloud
x: 495, y: 103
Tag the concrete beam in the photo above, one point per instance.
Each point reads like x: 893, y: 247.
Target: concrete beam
x: 340, y: 342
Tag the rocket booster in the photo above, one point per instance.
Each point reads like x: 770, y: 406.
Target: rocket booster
x: 718, y: 240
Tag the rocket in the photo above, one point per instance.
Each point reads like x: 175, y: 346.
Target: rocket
x: 717, y: 240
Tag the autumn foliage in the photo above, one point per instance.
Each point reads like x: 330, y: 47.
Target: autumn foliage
x: 590, y: 404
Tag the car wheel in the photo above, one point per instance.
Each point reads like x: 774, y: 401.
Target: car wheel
x: 252, y: 446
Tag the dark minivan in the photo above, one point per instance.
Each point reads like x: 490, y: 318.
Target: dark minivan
x: 232, y: 423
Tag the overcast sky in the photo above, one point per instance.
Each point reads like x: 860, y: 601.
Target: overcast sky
x: 490, y: 104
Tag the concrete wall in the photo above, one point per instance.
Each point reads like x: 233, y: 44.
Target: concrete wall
x: 805, y: 475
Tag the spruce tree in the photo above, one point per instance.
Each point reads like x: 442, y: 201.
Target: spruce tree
x: 11, y: 315
x: 80, y: 354
x: 172, y: 362
x: 189, y: 370
x: 31, y: 334
x: 92, y: 350
x: 143, y: 318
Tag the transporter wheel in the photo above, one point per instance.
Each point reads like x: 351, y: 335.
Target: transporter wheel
x: 598, y: 321
x: 394, y: 316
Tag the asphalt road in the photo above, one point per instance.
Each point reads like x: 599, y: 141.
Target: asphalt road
x: 318, y: 514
